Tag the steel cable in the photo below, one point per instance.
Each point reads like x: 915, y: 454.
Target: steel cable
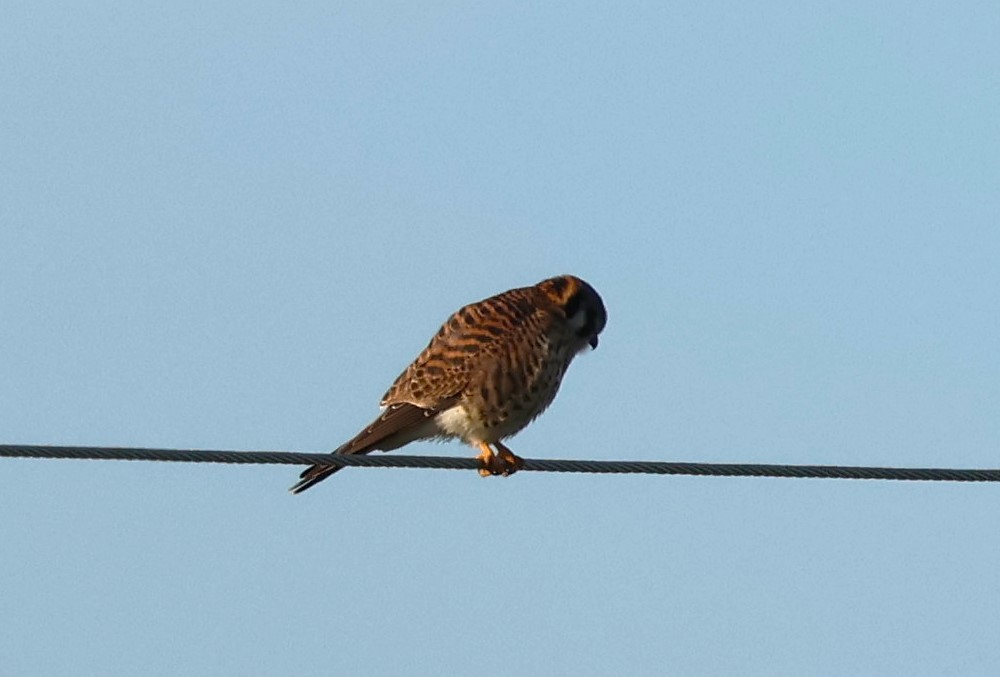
x: 530, y: 464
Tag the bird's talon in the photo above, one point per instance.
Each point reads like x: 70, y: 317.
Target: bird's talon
x: 511, y: 461
x: 494, y: 467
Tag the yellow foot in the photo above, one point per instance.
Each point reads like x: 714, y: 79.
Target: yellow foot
x: 504, y: 464
x: 511, y: 461
x: 491, y: 463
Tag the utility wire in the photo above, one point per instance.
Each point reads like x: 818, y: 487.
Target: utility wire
x: 530, y: 464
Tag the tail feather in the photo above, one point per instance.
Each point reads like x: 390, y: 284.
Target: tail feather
x: 399, y: 423
x: 315, y: 474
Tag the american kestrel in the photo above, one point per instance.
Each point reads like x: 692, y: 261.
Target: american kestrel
x: 490, y: 370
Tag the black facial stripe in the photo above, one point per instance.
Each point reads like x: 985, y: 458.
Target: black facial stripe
x: 587, y: 330
x: 573, y: 305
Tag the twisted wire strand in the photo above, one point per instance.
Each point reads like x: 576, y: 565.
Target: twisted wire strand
x: 530, y: 464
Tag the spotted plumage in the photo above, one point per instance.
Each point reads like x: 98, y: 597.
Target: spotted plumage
x: 491, y: 369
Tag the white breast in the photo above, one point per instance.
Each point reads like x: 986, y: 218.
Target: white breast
x: 456, y: 421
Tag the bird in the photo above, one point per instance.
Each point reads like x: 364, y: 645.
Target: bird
x: 490, y: 370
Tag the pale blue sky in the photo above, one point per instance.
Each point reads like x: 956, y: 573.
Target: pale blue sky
x: 233, y: 225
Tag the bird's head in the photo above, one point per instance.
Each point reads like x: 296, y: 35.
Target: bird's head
x: 581, y: 305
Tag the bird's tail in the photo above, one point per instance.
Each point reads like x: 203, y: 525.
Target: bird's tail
x: 399, y: 423
x: 315, y: 474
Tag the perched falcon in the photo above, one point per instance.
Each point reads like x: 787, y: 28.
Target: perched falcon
x: 490, y: 370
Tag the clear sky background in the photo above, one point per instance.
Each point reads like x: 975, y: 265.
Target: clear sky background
x: 231, y: 225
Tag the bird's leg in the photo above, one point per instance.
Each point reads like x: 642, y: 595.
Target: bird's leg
x: 511, y: 461
x: 491, y: 463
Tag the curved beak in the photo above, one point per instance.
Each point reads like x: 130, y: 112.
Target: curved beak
x: 593, y: 341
